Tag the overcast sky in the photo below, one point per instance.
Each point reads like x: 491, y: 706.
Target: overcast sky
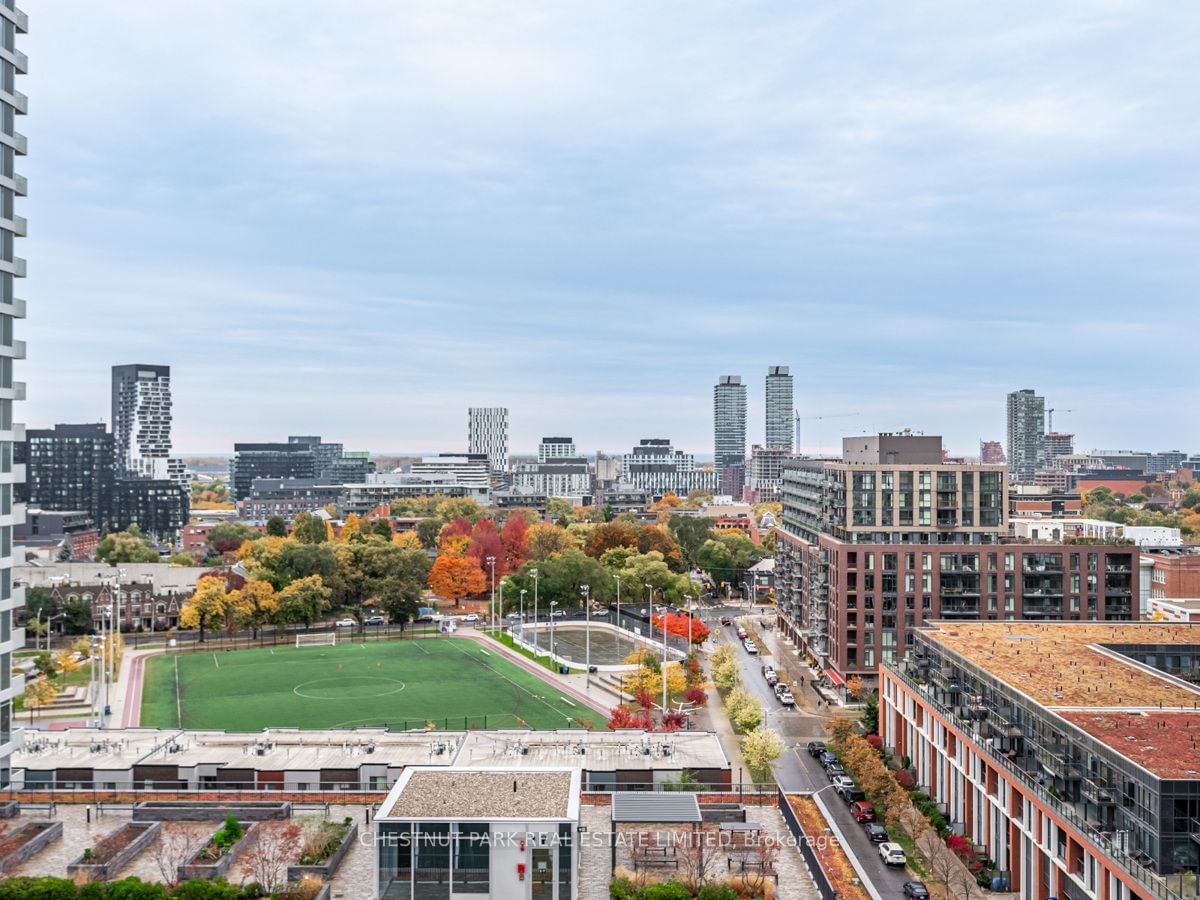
x: 359, y: 218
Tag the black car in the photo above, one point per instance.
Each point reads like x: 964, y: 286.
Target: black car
x: 876, y: 833
x: 816, y: 748
x: 833, y: 770
x: 916, y: 890
x: 853, y: 795
x: 825, y: 758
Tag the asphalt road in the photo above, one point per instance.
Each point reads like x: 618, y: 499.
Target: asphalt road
x: 799, y: 773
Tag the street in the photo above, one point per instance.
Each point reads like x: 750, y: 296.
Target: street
x: 796, y: 771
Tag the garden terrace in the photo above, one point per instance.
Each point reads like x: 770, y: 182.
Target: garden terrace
x: 1166, y: 744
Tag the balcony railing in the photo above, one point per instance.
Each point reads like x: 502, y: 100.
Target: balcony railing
x: 1065, y: 811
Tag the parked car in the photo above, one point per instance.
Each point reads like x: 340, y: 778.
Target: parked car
x: 772, y: 679
x: 892, y: 854
x: 833, y: 770
x: 725, y: 620
x: 471, y: 617
x: 752, y: 648
x: 862, y: 811
x: 345, y: 623
x: 816, y: 748
x: 916, y: 890
x: 768, y: 669
x: 374, y: 620
x: 825, y: 758
x: 853, y: 795
x: 741, y: 633
x: 600, y: 611
x: 786, y: 698
x: 876, y: 833
x: 558, y: 613
x: 515, y: 616
x: 841, y: 783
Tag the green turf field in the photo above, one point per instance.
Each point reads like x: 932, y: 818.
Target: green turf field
x: 452, y: 682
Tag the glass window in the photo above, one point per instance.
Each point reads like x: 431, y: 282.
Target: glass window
x: 472, y: 857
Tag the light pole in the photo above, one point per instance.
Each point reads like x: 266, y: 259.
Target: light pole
x: 523, y: 593
x: 534, y: 574
x: 689, y: 612
x: 587, y: 632
x: 491, y: 561
x: 553, y: 603
x: 650, y: 607
x: 664, y: 664
x: 618, y: 622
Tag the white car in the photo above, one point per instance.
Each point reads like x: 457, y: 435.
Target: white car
x: 345, y: 623
x: 752, y: 648
x: 514, y: 616
x: 787, y: 699
x: 600, y: 611
x: 842, y: 783
x: 470, y: 617
x: 892, y: 854
x: 558, y: 613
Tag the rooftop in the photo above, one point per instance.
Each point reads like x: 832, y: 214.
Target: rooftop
x: 1062, y: 665
x: 1166, y: 744
x: 484, y: 794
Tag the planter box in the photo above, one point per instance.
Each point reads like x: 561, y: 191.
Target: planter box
x: 198, y: 868
x: 28, y: 840
x: 9, y: 809
x: 136, y: 837
x: 206, y: 811
x: 325, y: 871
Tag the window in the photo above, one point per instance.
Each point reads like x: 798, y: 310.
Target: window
x: 472, y: 857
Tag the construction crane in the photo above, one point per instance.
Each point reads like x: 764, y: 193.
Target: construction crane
x: 800, y: 418
x: 1050, y: 415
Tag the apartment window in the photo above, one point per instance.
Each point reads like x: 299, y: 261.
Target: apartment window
x: 1008, y: 562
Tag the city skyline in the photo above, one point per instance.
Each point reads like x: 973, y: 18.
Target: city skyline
x: 513, y: 229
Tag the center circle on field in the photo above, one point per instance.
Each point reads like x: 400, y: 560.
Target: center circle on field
x: 349, y: 687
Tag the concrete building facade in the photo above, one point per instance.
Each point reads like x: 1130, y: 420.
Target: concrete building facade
x: 1026, y: 434
x: 487, y: 433
x: 780, y: 405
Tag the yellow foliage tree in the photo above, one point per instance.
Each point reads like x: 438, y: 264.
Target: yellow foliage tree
x: 254, y: 605
x: 39, y: 694
x: 407, y: 540
x: 65, y: 661
x: 207, y: 605
x: 854, y: 686
x: 649, y: 678
x: 544, y: 541
x: 351, y: 527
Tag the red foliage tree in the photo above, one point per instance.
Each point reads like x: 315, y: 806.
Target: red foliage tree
x: 875, y: 741
x: 609, y: 536
x: 460, y: 527
x: 673, y: 721
x: 485, y: 542
x: 624, y: 717
x: 678, y: 624
x: 960, y: 846
x: 512, y: 535
x: 645, y: 699
x: 696, y: 696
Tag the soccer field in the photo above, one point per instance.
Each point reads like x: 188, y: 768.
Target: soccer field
x: 453, y: 682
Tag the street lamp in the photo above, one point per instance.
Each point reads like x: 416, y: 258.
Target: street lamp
x: 533, y: 573
x: 553, y: 603
x: 587, y: 632
x: 664, y: 663
x: 618, y: 620
x: 650, y: 606
x: 491, y: 561
x: 523, y: 593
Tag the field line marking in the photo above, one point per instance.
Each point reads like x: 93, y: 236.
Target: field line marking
x: 215, y: 663
x: 519, y: 687
x: 178, y: 703
x: 417, y: 644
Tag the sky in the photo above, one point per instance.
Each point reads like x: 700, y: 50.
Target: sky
x: 356, y: 219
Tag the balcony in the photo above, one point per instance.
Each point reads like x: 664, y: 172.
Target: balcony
x: 1195, y: 830
x: 1097, y: 794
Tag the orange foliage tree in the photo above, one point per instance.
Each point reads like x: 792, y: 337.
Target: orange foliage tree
x: 455, y: 575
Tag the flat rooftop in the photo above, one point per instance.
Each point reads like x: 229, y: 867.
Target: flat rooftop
x: 1063, y: 664
x: 485, y: 794
x: 593, y: 750
x: 1166, y: 744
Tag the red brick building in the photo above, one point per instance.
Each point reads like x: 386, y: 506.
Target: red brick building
x: 1174, y: 576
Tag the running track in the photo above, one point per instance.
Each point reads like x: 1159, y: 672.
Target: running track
x: 131, y: 715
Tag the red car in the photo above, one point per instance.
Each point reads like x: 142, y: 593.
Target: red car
x: 862, y: 812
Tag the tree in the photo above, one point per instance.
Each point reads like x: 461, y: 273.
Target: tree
x: 655, y: 539
x: 126, y: 546
x: 513, y: 536
x: 430, y: 531
x: 663, y: 507
x: 382, y: 528
x: 181, y: 559
x: 690, y: 532
x: 407, y: 540
x: 715, y: 558
x: 38, y: 600
x: 276, y: 527
x: 309, y: 529
x: 854, y: 686
x: 744, y: 710
x: 1190, y: 498
x: 300, y: 560
x: 304, y: 600
x: 458, y: 508
x: 870, y: 714
x: 207, y: 604
x: 760, y: 748
x: 174, y: 847
x: 226, y: 537
x: 485, y: 542
x: 254, y: 605
x: 544, y: 541
x: 351, y: 528
x: 39, y: 694
x: 266, y: 861
x: 624, y: 717
x: 558, y: 509
x: 697, y: 498
x: 743, y: 551
x: 65, y: 662
x: 454, y: 576
x: 609, y: 536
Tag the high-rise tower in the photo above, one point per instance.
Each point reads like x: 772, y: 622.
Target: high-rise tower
x: 729, y: 433
x: 780, y: 409
x: 141, y: 423
x: 1026, y: 434
x: 13, y: 103
x: 487, y: 432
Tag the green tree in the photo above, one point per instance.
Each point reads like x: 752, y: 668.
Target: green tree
x: 309, y: 529
x: 304, y: 600
x: 561, y: 578
x: 715, y: 558
x: 557, y: 509
x: 181, y: 559
x: 429, y: 531
x: 870, y: 714
x: 382, y: 528
x: 38, y: 600
x: 1190, y: 498
x: 126, y: 546
x: 690, y: 532
x: 276, y: 527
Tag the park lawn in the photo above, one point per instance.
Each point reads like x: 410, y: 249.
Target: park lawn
x: 452, y: 682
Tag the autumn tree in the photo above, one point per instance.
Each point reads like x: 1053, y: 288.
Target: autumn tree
x: 207, y: 604
x: 227, y: 537
x: 277, y: 845
x: 126, y: 546
x: 655, y: 539
x: 455, y: 575
x: 254, y: 605
x: 407, y: 540
x: 760, y: 748
x: 485, y: 542
x: 39, y: 694
x: 459, y: 527
x: 608, y: 536
x: 513, y: 536
x: 544, y: 541
x: 309, y: 529
x: 276, y: 527
x: 351, y: 527
x: 304, y: 600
